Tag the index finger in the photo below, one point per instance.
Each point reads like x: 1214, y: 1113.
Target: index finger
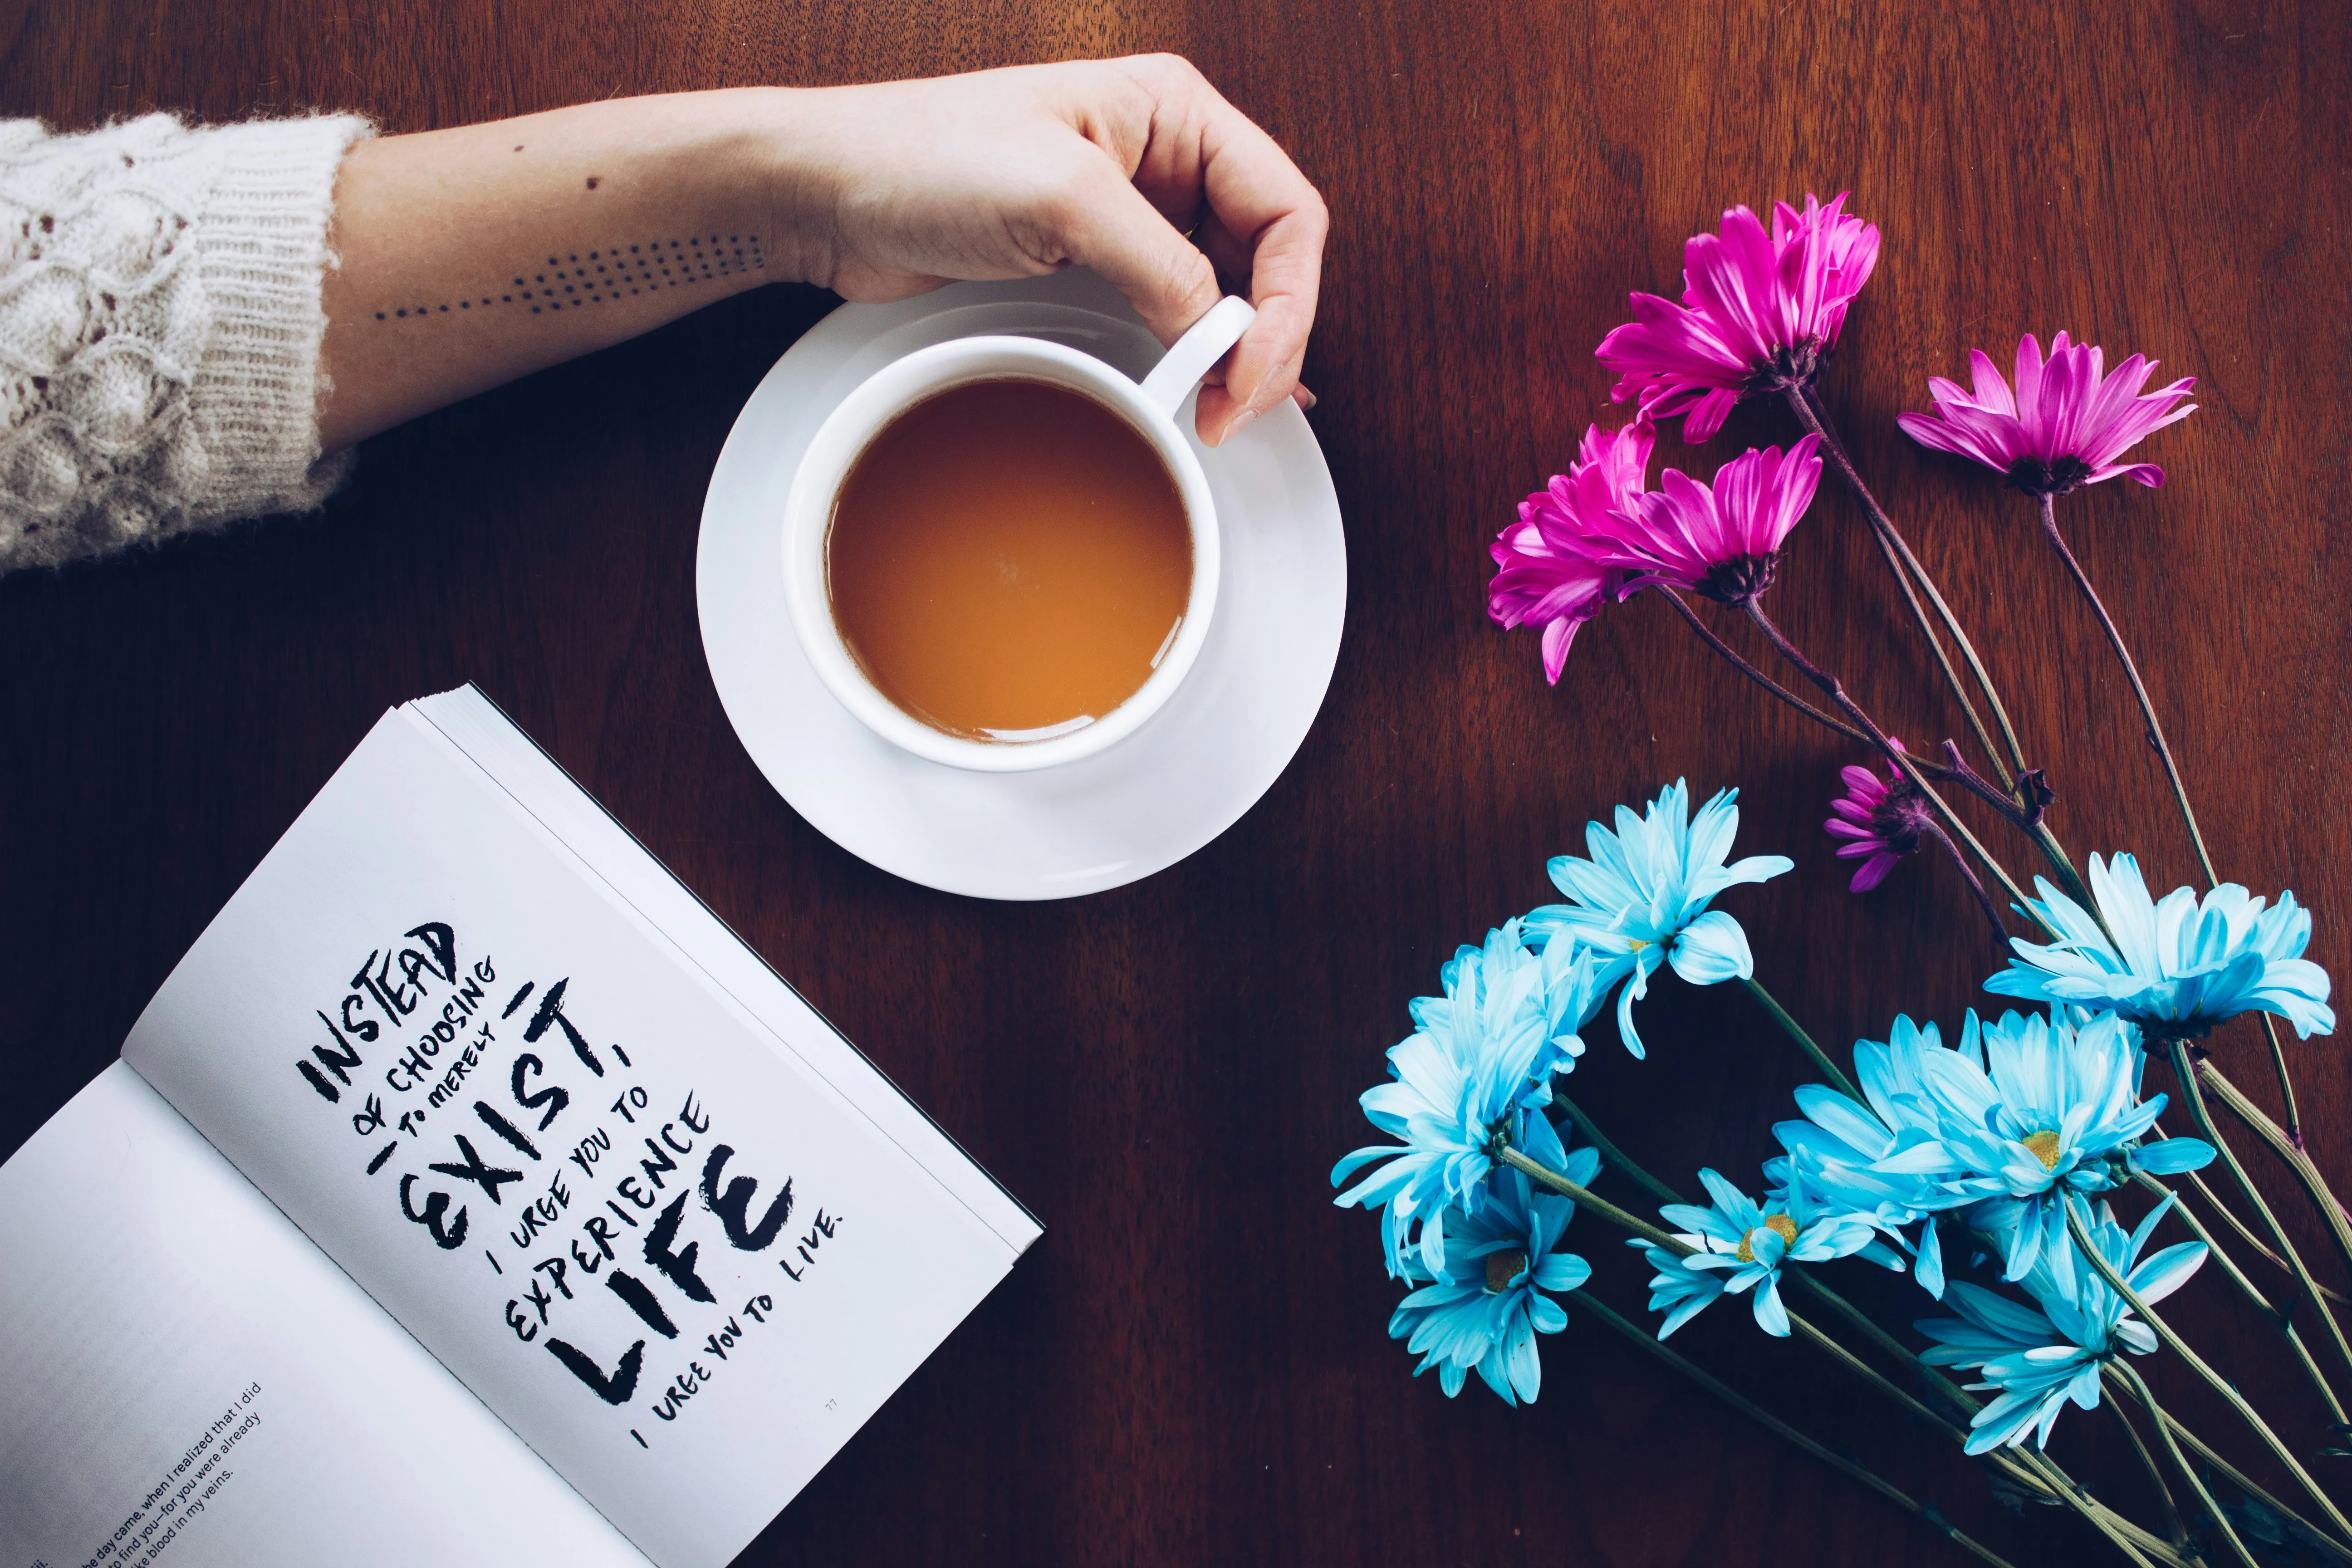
x: 1257, y: 197
x: 1263, y: 217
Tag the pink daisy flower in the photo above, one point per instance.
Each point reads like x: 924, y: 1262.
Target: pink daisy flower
x: 1718, y: 540
x: 1758, y: 310
x: 2066, y: 423
x: 1882, y: 818
x: 1547, y: 575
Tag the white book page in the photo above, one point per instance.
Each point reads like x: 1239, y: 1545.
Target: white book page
x: 474, y: 724
x: 673, y: 1260
x: 190, y: 1382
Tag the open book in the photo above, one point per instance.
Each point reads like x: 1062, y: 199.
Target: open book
x: 469, y: 1194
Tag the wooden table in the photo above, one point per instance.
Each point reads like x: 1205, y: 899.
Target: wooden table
x: 1193, y: 1366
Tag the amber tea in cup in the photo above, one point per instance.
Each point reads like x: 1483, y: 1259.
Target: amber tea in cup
x: 1009, y: 560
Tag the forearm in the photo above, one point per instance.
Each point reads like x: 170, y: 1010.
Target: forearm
x: 473, y: 256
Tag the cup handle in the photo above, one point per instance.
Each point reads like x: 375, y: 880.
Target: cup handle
x: 1202, y: 345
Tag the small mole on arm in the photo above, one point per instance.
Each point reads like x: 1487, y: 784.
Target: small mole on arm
x: 592, y: 181
x: 517, y: 146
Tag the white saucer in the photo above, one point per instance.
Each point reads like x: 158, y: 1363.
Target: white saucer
x: 1145, y: 804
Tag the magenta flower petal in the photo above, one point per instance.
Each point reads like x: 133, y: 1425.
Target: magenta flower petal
x: 1758, y: 310
x: 1873, y: 871
x: 1547, y: 572
x: 2065, y: 424
x: 1883, y: 819
x: 1717, y: 539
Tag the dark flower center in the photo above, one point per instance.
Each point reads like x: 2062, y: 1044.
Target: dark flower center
x: 2054, y: 477
x: 1901, y: 818
x: 1790, y: 368
x: 1502, y: 1267
x: 1738, y: 580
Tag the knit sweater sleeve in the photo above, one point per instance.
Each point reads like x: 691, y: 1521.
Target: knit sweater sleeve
x: 159, y: 329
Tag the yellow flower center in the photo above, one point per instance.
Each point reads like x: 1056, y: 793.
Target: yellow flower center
x: 1636, y: 943
x: 1780, y: 1224
x: 2043, y: 1145
x: 1502, y: 1267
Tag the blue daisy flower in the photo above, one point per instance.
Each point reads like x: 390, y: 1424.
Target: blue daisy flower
x: 1486, y: 1306
x: 2177, y: 967
x: 1741, y: 1248
x: 2036, y: 1108
x: 1642, y: 899
x: 2037, y: 1360
x: 1480, y: 1055
x: 1839, y: 1147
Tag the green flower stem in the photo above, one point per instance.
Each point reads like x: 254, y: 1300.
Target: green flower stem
x: 1968, y: 874
x: 1801, y: 1277
x: 2064, y: 1488
x: 2193, y: 1077
x: 2213, y: 1201
x: 1635, y: 1225
x: 2296, y: 1158
x: 1905, y: 567
x: 1828, y: 720
x: 1731, y: 656
x: 1796, y: 1031
x: 2196, y: 1482
x: 1779, y: 1429
x: 2064, y: 864
x: 2173, y: 1524
x: 2279, y: 1320
x: 2229, y: 1472
x: 1613, y: 1155
x: 2197, y: 1364
x: 2100, y: 1517
x: 2049, y: 511
x: 1835, y: 691
x: 1870, y: 1374
x: 2286, y: 1084
x: 1632, y: 1224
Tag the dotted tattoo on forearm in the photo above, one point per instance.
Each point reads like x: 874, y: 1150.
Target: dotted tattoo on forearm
x: 572, y: 283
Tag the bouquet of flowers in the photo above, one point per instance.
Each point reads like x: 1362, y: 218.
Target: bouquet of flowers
x: 2005, y: 1149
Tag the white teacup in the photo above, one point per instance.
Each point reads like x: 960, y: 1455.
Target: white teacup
x: 1151, y: 408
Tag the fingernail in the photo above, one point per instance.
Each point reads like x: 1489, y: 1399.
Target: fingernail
x: 1307, y: 400
x: 1240, y: 424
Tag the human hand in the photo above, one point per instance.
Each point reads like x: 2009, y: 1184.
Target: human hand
x: 893, y: 189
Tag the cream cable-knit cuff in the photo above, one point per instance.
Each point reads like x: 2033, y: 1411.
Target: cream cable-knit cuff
x: 160, y: 325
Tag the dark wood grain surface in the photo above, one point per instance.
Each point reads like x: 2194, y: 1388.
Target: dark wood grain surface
x: 1192, y: 1367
